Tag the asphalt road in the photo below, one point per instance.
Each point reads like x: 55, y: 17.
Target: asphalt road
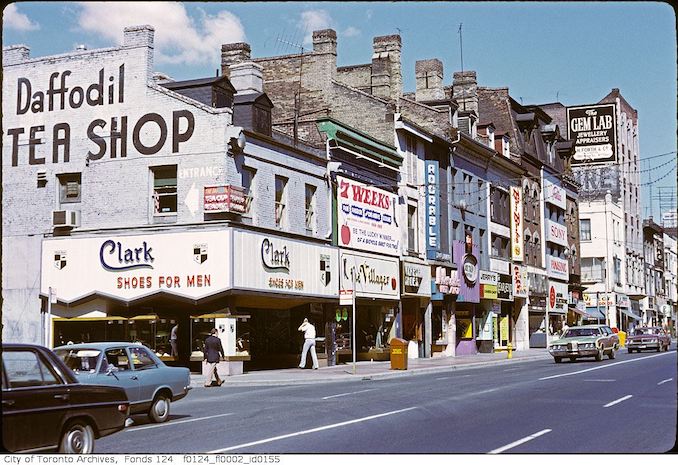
x: 626, y: 405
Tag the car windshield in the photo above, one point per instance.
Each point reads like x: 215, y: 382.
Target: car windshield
x: 641, y: 331
x: 79, y: 360
x: 578, y: 332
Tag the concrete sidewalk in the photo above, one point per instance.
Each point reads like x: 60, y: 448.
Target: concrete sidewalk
x: 373, y: 370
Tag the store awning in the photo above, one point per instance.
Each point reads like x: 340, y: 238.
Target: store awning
x: 213, y: 315
x: 144, y: 317
x: 630, y: 314
x: 577, y: 311
x: 594, y: 312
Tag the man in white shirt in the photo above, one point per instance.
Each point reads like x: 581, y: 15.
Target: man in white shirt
x: 309, y: 344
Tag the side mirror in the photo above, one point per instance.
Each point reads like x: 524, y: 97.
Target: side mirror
x: 111, y: 370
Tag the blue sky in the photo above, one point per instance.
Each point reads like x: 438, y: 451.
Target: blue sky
x: 573, y: 52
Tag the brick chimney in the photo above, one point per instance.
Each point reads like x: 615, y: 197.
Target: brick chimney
x: 247, y: 77
x: 141, y: 37
x: 232, y: 54
x: 387, y: 80
x: 465, y: 91
x: 15, y: 54
x: 325, y: 41
x: 429, y: 78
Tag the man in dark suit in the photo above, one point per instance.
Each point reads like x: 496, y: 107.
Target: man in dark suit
x: 214, y: 351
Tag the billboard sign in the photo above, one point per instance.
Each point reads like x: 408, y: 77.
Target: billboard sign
x: 366, y: 218
x: 432, y: 210
x: 594, y: 131
x: 516, y: 200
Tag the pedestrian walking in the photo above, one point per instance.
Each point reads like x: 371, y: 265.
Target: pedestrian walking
x: 173, y: 341
x: 214, y: 351
x: 309, y: 344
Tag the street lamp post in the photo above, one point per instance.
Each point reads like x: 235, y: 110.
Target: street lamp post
x: 355, y: 349
x: 608, y: 197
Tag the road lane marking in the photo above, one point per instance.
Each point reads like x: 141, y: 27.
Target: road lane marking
x: 511, y: 369
x: 601, y: 380
x: 139, y: 428
x: 444, y: 377
x: 665, y: 381
x: 348, y: 393
x: 604, y: 366
x: 313, y: 430
x: 615, y: 402
x: 519, y: 442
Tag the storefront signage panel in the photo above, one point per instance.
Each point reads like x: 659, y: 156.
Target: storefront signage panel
x: 557, y: 267
x: 127, y: 267
x: 366, y: 218
x: 557, y: 297
x: 554, y: 194
x: 416, y: 279
x: 488, y: 284
x: 272, y: 263
x: 519, y: 276
x: 505, y: 287
x: 594, y: 130
x: 467, y: 269
x: 446, y: 282
x: 556, y: 233
x: 374, y: 276
x: 516, y: 200
x: 224, y: 199
x: 99, y: 107
x: 432, y: 209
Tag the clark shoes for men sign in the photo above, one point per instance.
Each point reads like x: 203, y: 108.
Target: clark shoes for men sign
x: 594, y: 130
x: 367, y: 218
x: 271, y: 263
x: 125, y: 268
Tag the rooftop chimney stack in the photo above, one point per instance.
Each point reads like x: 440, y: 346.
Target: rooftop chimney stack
x: 325, y: 41
x: 465, y: 91
x: 387, y: 80
x: 247, y: 77
x: 232, y: 54
x: 15, y: 54
x: 429, y: 78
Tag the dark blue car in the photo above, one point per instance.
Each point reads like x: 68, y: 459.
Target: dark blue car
x: 149, y: 383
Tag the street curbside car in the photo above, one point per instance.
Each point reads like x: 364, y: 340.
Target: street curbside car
x: 45, y: 408
x: 585, y: 341
x: 150, y: 384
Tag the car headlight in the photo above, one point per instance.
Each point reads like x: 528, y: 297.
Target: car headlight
x: 652, y: 341
x: 556, y: 347
x: 587, y: 345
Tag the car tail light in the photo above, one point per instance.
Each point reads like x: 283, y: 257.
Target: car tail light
x: 122, y: 408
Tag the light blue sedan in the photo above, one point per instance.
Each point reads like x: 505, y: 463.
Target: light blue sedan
x: 149, y: 383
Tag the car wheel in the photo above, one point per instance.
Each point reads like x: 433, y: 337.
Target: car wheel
x: 573, y: 359
x: 160, y: 409
x: 612, y: 354
x: 557, y: 359
x: 599, y: 355
x: 78, y: 438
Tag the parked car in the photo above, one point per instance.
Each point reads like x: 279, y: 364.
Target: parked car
x: 45, y: 408
x: 648, y: 338
x: 149, y: 383
x: 585, y: 341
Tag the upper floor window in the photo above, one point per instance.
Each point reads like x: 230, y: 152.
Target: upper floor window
x: 585, y: 229
x: 70, y: 187
x: 247, y: 182
x: 412, y: 228
x: 310, y: 207
x: 411, y: 154
x: 280, y: 200
x: 164, y: 189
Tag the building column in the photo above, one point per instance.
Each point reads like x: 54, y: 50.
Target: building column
x: 522, y: 325
x: 428, y: 330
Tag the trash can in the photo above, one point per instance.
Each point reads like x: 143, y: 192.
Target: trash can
x: 398, y: 354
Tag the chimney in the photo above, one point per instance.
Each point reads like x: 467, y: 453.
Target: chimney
x: 387, y: 81
x: 429, y: 77
x: 325, y: 41
x: 141, y: 37
x: 465, y: 91
x: 232, y: 54
x: 15, y: 54
x: 247, y: 77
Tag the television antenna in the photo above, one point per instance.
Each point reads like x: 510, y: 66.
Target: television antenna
x: 297, y: 94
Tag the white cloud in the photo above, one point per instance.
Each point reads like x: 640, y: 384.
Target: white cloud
x: 314, y: 20
x: 369, y: 14
x: 179, y: 39
x: 12, y: 19
x: 351, y: 32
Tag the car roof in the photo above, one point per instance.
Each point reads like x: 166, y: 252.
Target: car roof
x: 587, y: 326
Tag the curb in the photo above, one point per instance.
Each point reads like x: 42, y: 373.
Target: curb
x: 197, y: 380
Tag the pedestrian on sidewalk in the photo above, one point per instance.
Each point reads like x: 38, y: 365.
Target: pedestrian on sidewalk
x: 173, y: 341
x: 214, y: 351
x: 309, y: 344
